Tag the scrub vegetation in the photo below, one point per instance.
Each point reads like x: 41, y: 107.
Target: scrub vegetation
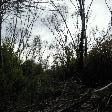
x: 78, y: 80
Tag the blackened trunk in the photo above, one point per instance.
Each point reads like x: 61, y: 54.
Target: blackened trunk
x: 0, y: 37
x: 85, y: 54
x: 111, y: 18
x: 81, y: 63
x: 83, y: 36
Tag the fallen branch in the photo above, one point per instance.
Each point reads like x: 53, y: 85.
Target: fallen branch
x: 106, y: 90
x: 78, y: 102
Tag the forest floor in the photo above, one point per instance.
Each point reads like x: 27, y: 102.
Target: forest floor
x: 87, y: 100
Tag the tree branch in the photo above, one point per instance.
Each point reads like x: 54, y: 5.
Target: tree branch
x: 107, y: 5
x: 104, y: 89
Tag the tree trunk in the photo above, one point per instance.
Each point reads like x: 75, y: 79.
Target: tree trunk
x: 85, y: 53
x: 111, y: 18
x: 0, y: 35
x: 83, y: 36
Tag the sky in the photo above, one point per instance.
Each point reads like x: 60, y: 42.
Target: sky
x: 101, y: 13
x: 100, y: 17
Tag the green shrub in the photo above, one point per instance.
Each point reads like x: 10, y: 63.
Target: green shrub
x: 98, y: 69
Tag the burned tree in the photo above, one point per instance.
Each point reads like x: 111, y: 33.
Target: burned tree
x: 83, y: 38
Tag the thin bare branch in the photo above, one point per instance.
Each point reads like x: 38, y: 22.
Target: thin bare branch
x: 75, y: 5
x: 63, y: 20
x: 107, y: 5
x: 87, y: 18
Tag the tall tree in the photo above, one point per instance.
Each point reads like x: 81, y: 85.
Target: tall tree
x: 0, y: 33
x: 5, y: 6
x: 80, y: 7
x: 83, y: 39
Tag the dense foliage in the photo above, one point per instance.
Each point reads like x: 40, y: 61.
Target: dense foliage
x: 26, y: 83
x: 98, y: 69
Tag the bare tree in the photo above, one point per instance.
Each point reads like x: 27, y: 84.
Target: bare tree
x: 84, y: 15
x: 6, y: 6
x: 19, y: 16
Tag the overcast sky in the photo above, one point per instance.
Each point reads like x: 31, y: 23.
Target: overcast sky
x: 101, y: 13
x: 100, y: 17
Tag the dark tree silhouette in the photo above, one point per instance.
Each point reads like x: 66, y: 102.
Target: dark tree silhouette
x: 4, y: 6
x: 83, y: 38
